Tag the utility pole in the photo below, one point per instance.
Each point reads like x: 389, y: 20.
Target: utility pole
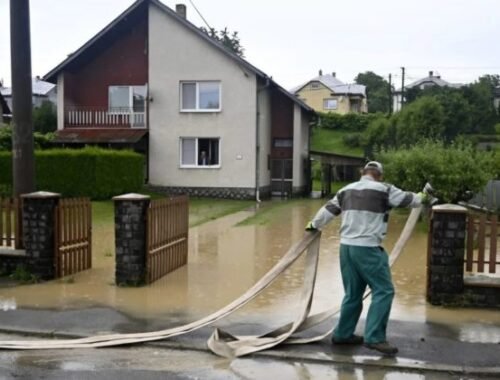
x: 402, y: 87
x: 390, y: 94
x: 23, y: 161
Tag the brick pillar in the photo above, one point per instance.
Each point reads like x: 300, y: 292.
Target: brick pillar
x: 38, y: 233
x: 446, y: 254
x: 130, y: 239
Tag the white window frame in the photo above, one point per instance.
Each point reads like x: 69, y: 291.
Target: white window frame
x: 197, y: 109
x: 326, y: 100
x: 130, y: 98
x: 198, y: 166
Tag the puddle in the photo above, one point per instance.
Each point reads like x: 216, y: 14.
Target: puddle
x: 225, y: 260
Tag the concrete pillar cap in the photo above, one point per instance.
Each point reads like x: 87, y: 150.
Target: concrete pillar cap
x: 132, y: 197
x: 448, y: 207
x: 41, y: 195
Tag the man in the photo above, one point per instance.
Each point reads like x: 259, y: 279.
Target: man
x: 365, y: 207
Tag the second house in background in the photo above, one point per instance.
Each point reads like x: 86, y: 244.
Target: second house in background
x: 326, y: 93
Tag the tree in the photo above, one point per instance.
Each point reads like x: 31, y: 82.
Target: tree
x: 377, y: 91
x: 453, y: 170
x: 231, y: 41
x: 422, y: 119
x: 45, y: 118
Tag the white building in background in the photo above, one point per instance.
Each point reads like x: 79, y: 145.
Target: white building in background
x: 41, y: 91
x: 429, y: 81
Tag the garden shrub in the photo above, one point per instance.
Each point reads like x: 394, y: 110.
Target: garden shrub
x: 453, y: 170
x: 353, y: 122
x: 353, y: 140
x: 40, y: 140
x: 91, y: 172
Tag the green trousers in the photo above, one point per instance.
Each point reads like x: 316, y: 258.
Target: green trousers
x: 362, y: 266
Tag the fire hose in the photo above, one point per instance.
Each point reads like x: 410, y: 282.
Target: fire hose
x: 223, y: 343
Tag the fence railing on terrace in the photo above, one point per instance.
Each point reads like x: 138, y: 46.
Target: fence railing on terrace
x: 78, y: 116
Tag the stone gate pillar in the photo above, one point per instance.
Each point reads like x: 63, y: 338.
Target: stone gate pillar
x: 38, y: 233
x: 445, y: 262
x: 130, y: 239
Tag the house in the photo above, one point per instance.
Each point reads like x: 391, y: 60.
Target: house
x: 326, y: 93
x: 429, y: 81
x: 41, y: 92
x: 209, y: 122
x: 5, y: 113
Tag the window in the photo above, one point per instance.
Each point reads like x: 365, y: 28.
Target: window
x: 315, y: 85
x: 283, y: 143
x: 330, y: 104
x: 200, y: 152
x: 126, y: 98
x: 200, y: 96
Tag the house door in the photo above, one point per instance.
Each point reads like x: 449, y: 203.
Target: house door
x: 281, y: 177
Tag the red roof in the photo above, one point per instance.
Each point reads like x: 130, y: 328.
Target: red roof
x: 99, y: 135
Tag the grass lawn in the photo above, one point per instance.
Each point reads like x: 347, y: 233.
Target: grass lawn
x: 331, y: 141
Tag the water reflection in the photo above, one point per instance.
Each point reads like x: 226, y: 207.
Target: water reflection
x: 225, y: 260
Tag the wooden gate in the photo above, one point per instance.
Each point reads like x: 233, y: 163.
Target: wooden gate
x: 482, y: 243
x: 10, y: 223
x: 167, y: 236
x: 73, y: 236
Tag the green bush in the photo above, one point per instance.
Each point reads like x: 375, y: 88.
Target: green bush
x: 353, y: 140
x: 92, y: 172
x: 45, y: 118
x: 41, y: 140
x: 497, y: 128
x: 453, y: 170
x: 353, y: 122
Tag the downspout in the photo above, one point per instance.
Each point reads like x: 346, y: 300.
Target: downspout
x: 257, y: 140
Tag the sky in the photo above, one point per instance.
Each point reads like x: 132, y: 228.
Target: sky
x: 291, y: 40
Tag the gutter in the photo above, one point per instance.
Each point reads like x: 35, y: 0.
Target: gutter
x: 257, y: 139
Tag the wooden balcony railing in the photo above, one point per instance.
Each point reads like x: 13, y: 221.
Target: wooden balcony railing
x: 104, y: 117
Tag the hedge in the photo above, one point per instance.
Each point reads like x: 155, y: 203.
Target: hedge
x: 91, y: 172
x: 353, y: 122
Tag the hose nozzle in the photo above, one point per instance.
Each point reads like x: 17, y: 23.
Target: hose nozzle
x: 429, y: 190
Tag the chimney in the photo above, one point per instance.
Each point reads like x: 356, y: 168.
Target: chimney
x: 431, y: 73
x: 180, y: 9
x: 334, y: 74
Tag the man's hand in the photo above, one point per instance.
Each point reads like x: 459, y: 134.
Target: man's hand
x: 310, y: 227
x: 426, y: 198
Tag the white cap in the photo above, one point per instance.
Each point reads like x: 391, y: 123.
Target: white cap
x: 374, y: 165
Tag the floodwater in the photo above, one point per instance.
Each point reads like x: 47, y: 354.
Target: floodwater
x: 226, y: 259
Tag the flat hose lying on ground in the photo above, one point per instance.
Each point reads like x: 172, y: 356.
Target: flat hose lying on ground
x: 223, y: 343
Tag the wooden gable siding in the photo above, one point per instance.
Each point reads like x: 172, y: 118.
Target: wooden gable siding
x: 124, y: 62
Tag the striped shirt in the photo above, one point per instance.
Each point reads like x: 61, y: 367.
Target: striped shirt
x: 365, y: 207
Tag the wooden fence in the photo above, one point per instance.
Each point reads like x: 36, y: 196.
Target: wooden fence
x: 11, y: 223
x: 73, y: 236
x: 482, y: 254
x: 167, y: 236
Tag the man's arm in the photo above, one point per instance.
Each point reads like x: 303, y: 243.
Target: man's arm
x: 400, y: 198
x: 325, y: 214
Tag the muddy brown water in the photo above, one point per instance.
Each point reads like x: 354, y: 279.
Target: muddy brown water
x: 226, y: 259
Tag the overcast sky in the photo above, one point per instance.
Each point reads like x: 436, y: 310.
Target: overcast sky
x: 292, y: 40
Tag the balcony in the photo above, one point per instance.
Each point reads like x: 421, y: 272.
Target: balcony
x: 104, y: 117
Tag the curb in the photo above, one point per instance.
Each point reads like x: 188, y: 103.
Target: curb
x: 276, y: 354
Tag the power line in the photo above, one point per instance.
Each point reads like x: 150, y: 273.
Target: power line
x: 199, y: 14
